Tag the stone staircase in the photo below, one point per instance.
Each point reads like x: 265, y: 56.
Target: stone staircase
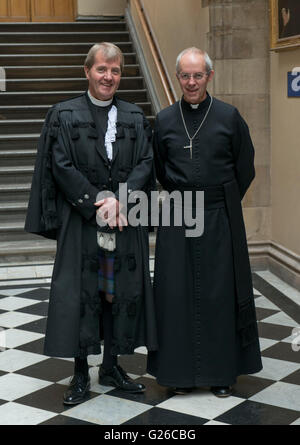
x: 44, y: 65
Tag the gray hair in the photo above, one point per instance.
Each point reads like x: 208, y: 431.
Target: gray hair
x: 109, y: 51
x: 194, y: 50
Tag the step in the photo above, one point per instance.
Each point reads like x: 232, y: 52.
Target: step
x: 43, y: 98
x: 17, y: 157
x: 14, y: 231
x: 14, y: 192
x: 13, y: 211
x: 75, y: 27
x: 19, y: 141
x: 64, y: 37
x: 21, y: 274
x: 42, y: 72
x: 151, y: 120
x: 52, y: 59
x: 16, y: 175
x: 36, y: 250
x: 65, y: 84
x: 17, y: 126
x: 55, y: 48
x: 146, y: 107
x: 40, y: 111
x: 24, y: 112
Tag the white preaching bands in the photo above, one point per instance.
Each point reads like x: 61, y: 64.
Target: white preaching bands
x: 111, y: 132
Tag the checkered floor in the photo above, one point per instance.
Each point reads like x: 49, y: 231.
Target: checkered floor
x: 32, y: 385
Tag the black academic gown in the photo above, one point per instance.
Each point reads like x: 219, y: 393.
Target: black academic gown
x: 207, y: 330
x: 71, y: 168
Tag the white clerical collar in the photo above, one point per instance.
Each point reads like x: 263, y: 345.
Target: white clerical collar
x: 99, y: 103
x: 194, y: 106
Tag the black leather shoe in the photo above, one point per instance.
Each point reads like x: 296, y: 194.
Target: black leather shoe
x: 221, y: 391
x: 77, y: 390
x: 182, y: 391
x: 117, y: 377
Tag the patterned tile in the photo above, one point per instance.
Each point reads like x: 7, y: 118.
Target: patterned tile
x: 201, y: 403
x: 160, y: 416
x: 284, y: 395
x: 15, y: 414
x: 107, y: 410
x: 12, y: 360
x: 252, y: 413
x: 32, y: 385
x: 13, y: 386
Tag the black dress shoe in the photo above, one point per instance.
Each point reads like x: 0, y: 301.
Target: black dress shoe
x: 117, y: 377
x: 221, y: 391
x: 182, y: 391
x: 77, y: 390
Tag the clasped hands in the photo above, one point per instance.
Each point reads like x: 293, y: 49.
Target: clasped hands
x: 110, y: 212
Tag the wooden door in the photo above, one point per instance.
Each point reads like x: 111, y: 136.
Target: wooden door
x: 37, y: 10
x: 52, y: 10
x: 15, y: 11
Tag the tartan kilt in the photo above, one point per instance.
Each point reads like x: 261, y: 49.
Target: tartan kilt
x: 106, y: 282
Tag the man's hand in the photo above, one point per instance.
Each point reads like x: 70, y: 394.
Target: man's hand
x: 110, y: 212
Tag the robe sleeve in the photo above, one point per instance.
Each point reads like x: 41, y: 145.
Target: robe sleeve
x: 142, y: 173
x: 41, y: 218
x: 76, y: 188
x: 243, y: 152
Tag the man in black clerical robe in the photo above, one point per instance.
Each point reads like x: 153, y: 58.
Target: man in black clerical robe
x: 91, y: 144
x: 207, y: 330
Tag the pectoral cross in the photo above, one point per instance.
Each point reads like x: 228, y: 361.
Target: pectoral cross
x: 190, y: 147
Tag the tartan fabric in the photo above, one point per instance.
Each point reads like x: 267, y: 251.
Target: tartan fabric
x: 106, y: 271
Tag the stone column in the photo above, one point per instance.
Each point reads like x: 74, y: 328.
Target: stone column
x: 238, y: 43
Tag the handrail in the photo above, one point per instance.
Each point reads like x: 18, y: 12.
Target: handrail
x: 154, y: 52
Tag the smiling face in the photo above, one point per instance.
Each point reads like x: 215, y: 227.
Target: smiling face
x: 104, y: 76
x: 194, y: 91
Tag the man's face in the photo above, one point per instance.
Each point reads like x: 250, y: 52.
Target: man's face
x: 104, y: 77
x: 194, y: 90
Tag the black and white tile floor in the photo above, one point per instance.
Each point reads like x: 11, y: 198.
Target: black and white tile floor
x: 32, y: 385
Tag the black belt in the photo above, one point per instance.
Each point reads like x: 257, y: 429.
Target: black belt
x: 214, y: 197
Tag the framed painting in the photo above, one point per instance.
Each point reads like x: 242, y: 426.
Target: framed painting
x: 284, y: 23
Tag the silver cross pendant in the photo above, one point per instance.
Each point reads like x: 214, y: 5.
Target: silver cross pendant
x: 190, y: 147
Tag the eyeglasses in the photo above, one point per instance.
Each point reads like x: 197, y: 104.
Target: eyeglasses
x: 195, y: 76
